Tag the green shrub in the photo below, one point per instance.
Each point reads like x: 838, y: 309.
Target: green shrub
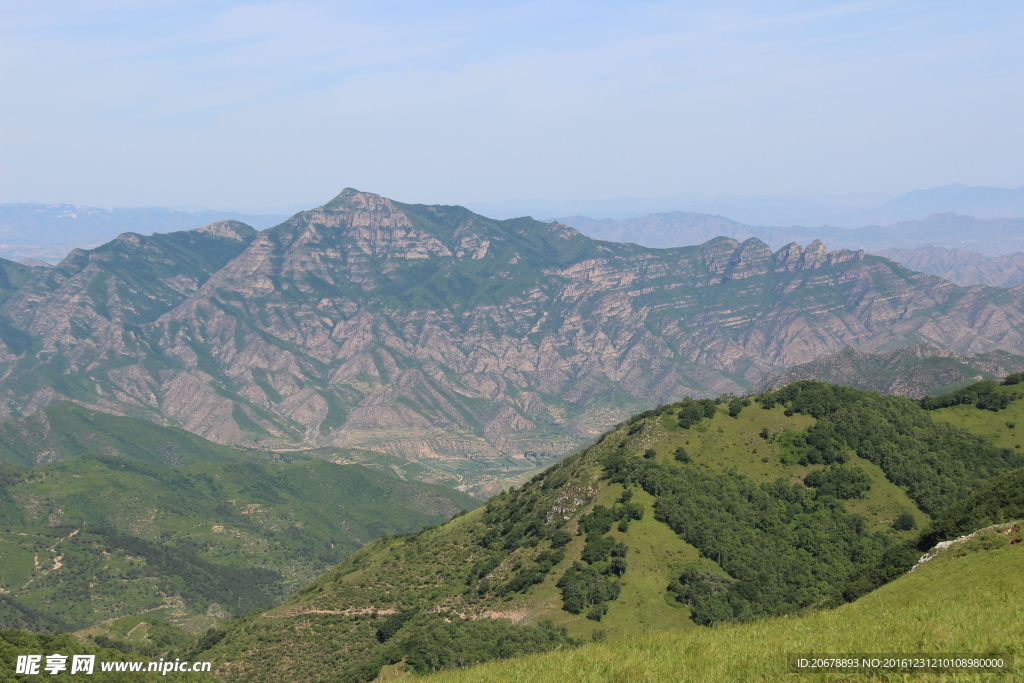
x: 840, y: 482
x: 693, y: 412
x: 905, y: 522
x: 393, y: 624
x: 584, y: 586
x: 937, y: 463
x: 1000, y: 500
x: 736, y: 405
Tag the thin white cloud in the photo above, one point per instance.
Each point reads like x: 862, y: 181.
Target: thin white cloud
x: 277, y: 102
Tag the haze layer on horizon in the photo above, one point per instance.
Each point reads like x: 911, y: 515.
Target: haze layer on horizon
x: 252, y: 105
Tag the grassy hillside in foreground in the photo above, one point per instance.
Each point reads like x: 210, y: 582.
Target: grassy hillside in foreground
x: 964, y: 601
x: 99, y: 537
x: 693, y: 512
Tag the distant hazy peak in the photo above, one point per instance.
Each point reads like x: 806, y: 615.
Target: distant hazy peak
x: 962, y: 266
x: 35, y: 263
x: 938, y: 256
x: 794, y: 257
x: 49, y: 232
x: 236, y: 230
x: 132, y: 238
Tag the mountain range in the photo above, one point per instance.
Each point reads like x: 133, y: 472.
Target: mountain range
x: 50, y: 231
x: 846, y: 211
x: 961, y: 266
x: 992, y: 236
x: 478, y: 347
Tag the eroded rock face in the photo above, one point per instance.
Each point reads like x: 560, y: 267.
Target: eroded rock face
x: 431, y: 332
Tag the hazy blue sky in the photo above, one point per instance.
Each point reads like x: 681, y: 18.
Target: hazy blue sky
x: 257, y: 104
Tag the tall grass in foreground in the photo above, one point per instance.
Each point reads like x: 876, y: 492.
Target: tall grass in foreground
x: 971, y: 604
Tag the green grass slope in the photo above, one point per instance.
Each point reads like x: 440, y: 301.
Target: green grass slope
x: 65, y: 430
x: 99, y: 537
x: 693, y: 513
x: 1005, y: 428
x: 964, y: 601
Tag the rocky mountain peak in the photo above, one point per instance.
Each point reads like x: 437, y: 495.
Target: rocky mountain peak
x: 363, y: 238
x: 130, y: 238
x: 361, y: 224
x: 815, y: 253
x: 563, y: 231
x: 718, y: 253
x: 752, y: 257
x: 793, y: 257
x: 35, y: 263
x: 236, y: 230
x: 350, y: 198
x: 788, y: 256
x: 736, y: 260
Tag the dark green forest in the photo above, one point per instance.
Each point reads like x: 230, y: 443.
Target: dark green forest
x: 782, y: 546
x: 434, y: 642
x: 938, y: 464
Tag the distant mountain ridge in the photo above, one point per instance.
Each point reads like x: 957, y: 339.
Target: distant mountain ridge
x: 846, y: 211
x: 961, y: 266
x: 980, y: 202
x: 993, y: 236
x: 50, y: 231
x: 914, y: 371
